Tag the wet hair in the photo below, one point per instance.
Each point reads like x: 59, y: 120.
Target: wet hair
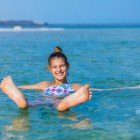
x: 58, y: 53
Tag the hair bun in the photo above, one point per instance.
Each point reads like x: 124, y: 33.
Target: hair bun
x: 58, y: 50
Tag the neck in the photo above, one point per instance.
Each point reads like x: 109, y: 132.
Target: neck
x: 59, y: 82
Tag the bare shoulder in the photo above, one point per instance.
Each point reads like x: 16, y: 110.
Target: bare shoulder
x: 42, y: 85
x: 76, y: 86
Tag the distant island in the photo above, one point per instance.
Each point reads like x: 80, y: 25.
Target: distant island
x: 23, y: 23
x: 31, y: 23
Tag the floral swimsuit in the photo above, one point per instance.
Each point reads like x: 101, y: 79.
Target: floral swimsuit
x: 59, y: 91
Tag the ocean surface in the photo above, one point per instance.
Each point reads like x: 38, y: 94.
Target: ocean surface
x: 105, y: 58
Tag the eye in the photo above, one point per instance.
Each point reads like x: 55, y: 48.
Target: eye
x: 54, y: 67
x: 63, y: 65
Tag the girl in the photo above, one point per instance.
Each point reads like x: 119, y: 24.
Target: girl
x: 64, y: 95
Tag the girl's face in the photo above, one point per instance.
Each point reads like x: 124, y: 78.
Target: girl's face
x: 58, y: 68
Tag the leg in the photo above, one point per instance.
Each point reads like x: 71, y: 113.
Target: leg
x: 74, y: 99
x: 10, y: 89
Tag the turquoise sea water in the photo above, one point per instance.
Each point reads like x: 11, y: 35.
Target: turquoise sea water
x: 104, y: 58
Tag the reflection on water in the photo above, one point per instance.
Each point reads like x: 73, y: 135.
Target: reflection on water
x: 70, y: 116
x: 83, y: 124
x: 77, y: 122
x: 20, y: 123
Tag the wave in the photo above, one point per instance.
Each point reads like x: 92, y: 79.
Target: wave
x: 20, y: 29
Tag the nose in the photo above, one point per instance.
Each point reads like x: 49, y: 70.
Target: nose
x: 58, y: 69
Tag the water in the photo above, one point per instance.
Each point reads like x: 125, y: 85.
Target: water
x: 105, y: 58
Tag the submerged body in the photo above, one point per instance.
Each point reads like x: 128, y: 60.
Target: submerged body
x: 12, y: 91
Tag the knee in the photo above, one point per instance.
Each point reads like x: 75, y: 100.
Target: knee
x: 61, y: 107
x: 23, y: 104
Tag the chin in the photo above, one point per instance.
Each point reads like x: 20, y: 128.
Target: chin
x: 60, y: 79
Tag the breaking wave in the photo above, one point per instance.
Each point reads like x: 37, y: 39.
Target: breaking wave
x: 20, y: 29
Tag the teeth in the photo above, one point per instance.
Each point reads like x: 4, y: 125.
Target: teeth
x: 59, y: 74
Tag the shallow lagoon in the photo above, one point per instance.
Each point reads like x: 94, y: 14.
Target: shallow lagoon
x: 104, y: 58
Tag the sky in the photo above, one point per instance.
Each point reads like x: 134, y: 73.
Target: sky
x: 71, y: 11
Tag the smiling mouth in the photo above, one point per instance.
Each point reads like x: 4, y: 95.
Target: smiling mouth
x: 59, y: 74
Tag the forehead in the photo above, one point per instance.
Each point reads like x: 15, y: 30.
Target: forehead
x: 57, y: 61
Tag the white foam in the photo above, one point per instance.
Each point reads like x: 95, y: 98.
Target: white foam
x: 20, y: 29
x: 17, y: 28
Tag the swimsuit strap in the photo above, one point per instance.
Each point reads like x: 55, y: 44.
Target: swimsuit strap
x: 49, y: 84
x: 57, y: 85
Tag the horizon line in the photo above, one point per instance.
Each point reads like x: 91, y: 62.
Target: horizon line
x: 61, y: 23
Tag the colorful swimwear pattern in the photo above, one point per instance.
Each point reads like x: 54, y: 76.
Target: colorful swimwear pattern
x: 59, y: 91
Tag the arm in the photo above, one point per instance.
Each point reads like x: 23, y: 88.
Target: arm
x: 38, y: 86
